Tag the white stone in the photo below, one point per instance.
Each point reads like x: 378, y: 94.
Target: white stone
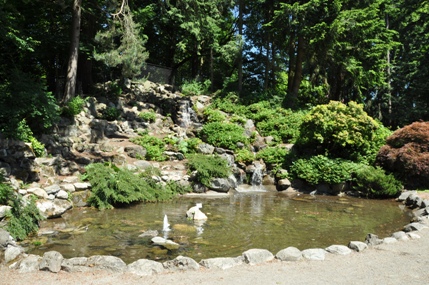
x: 62, y: 195
x: 39, y: 192
x: 69, y: 187
x: 82, y: 186
x: 338, y: 249
x: 314, y: 254
x: 3, y: 210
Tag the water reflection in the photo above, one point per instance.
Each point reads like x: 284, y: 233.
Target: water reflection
x: 235, y: 223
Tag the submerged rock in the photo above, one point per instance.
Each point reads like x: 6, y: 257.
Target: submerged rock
x: 169, y: 244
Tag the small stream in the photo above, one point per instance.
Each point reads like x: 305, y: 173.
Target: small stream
x: 236, y: 223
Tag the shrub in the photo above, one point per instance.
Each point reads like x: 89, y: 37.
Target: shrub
x: 406, y: 154
x: 24, y: 216
x: 73, y: 107
x: 149, y: 116
x: 194, y: 88
x: 343, y: 131
x: 244, y: 156
x: 272, y: 156
x: 113, y: 186
x: 374, y: 182
x: 321, y: 169
x: 208, y: 167
x: 213, y: 115
x: 111, y: 113
x: 24, y: 133
x: 224, y: 135
x: 154, y: 146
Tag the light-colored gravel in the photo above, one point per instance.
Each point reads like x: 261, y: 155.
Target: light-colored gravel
x: 403, y: 262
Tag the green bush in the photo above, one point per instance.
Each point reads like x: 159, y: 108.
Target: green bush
x: 24, y: 133
x: 244, y: 156
x: 272, y: 156
x: 154, y: 146
x: 374, y: 182
x: 225, y: 135
x: 213, y: 115
x: 24, y: 217
x: 321, y: 169
x: 73, y: 107
x: 208, y: 167
x: 194, y: 88
x: 148, y: 116
x: 113, y: 186
x: 344, y: 131
x: 111, y: 113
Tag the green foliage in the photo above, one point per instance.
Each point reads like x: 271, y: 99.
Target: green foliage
x: 374, y: 182
x: 38, y: 147
x: 24, y: 216
x: 24, y: 133
x: 111, y: 113
x: 208, y: 167
x: 321, y: 169
x: 273, y: 156
x: 224, y: 135
x: 154, y: 146
x: 149, y: 116
x: 113, y: 186
x: 244, y: 156
x: 340, y: 130
x: 213, y: 115
x: 73, y: 107
x: 193, y: 144
x: 195, y: 88
x: 24, y: 98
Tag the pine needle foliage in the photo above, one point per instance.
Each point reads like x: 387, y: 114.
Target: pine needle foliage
x: 113, y: 186
x: 208, y: 167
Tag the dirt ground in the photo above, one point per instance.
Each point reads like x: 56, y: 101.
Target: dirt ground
x: 403, y: 262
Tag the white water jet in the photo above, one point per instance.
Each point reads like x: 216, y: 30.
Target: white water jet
x: 166, y: 226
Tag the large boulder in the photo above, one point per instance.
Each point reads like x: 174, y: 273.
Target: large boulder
x: 106, y: 262
x: 53, y: 208
x: 289, y: 254
x: 257, y: 256
x: 181, y: 263
x: 145, y: 267
x: 51, y: 261
x: 221, y: 262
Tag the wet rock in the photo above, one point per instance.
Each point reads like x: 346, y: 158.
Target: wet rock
x: 338, y: 249
x: 257, y: 256
x: 53, y: 209
x: 80, y: 198
x: 169, y: 244
x: 314, y: 254
x: 51, y: 261
x: 289, y: 254
x: 283, y: 184
x: 145, y: 267
x: 149, y: 233
x: 221, y: 262
x: 181, y: 263
x: 358, y: 246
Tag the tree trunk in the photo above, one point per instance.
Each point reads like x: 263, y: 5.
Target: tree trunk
x: 240, y: 55
x: 70, y: 88
x: 297, y: 75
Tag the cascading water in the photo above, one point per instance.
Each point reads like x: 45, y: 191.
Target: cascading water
x: 186, y: 113
x: 166, y: 227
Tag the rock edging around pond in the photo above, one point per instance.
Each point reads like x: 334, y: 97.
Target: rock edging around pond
x: 53, y: 261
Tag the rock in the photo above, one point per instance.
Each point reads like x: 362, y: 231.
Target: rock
x: 145, y: 267
x: 257, y: 256
x: 358, y: 246
x: 80, y: 198
x: 3, y: 210
x: 75, y: 264
x: 68, y: 187
x: 205, y: 148
x: 413, y: 235
x: 314, y: 254
x: 400, y: 236
x: 39, y: 192
x: 404, y: 195
x: 62, y: 195
x: 5, y: 239
x: 142, y: 164
x: 12, y: 252
x: 283, y: 184
x: 338, y: 249
x: 53, y: 209
x: 106, y: 262
x: 149, y: 233
x: 51, y: 261
x: 195, y: 213
x: 181, y: 263
x: 389, y: 240
x: 223, y: 184
x: 79, y: 186
x: 414, y: 227
x: 372, y: 240
x: 169, y: 244
x: 221, y: 262
x: 52, y: 189
x: 289, y: 254
x: 135, y: 151
x: 28, y: 264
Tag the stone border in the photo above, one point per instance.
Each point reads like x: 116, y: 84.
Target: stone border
x: 54, y: 262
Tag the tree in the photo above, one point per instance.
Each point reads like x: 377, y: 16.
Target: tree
x: 70, y: 88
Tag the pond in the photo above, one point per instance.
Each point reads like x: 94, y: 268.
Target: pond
x: 236, y: 223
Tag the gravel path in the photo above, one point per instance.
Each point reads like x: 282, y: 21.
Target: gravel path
x: 403, y: 262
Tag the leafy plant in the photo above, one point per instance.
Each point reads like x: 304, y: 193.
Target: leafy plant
x: 154, y: 146
x: 321, y: 169
x: 213, y: 115
x: 224, y: 135
x: 194, y: 88
x: 244, y: 156
x: 73, y: 107
x: 272, y: 156
x: 111, y: 113
x: 148, y: 116
x: 208, y: 167
x: 113, y: 186
x: 24, y: 216
x: 374, y: 182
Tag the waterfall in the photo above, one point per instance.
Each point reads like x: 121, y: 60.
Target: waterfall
x: 166, y: 227
x: 256, y: 179
x: 185, y: 113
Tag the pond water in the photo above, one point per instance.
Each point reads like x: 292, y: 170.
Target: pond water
x: 235, y: 224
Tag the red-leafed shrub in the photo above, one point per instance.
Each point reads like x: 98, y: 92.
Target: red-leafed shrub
x: 407, y: 154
